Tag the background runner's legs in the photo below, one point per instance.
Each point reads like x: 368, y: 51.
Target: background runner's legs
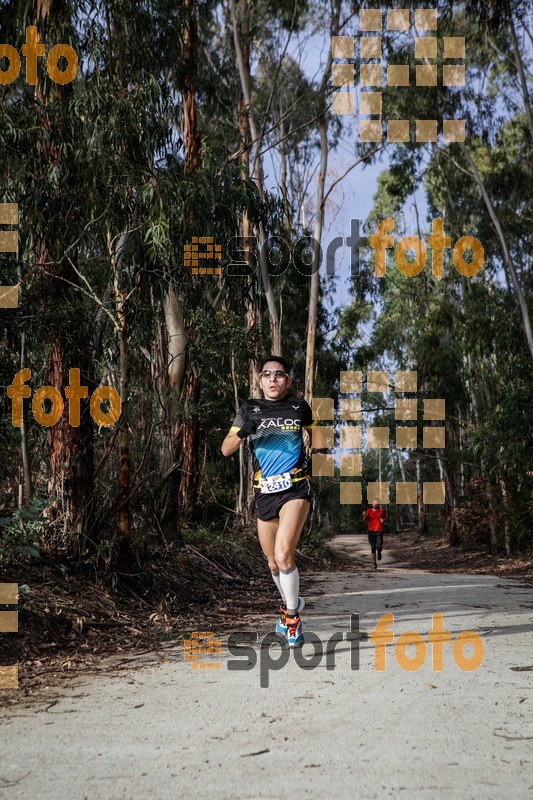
x: 372, y: 540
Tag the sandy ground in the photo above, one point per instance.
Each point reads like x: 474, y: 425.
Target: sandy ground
x: 335, y: 727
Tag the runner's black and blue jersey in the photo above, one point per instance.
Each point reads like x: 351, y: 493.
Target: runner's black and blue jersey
x: 277, y: 446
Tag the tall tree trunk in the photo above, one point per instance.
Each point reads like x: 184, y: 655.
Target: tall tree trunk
x: 251, y: 303
x: 178, y: 378
x: 71, y: 448
x: 283, y: 182
x: 243, y: 65
x: 402, y: 473
x: 191, y: 138
x: 245, y: 497
x: 188, y: 438
x: 171, y: 369
x: 244, y: 500
x: 315, y: 277
x: 188, y: 431
x: 507, y: 515
x: 251, y: 297
x: 239, y: 505
x: 120, y: 294
x: 493, y: 536
x: 27, y: 484
x: 444, y: 476
x: 319, y: 217
x: 420, y: 499
x: 508, y: 263
x: 71, y: 468
x: 521, y: 76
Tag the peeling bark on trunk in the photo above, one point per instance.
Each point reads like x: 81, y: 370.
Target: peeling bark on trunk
x: 179, y: 397
x: 169, y: 370
x: 176, y: 341
x: 71, y: 469
x: 188, y: 443
x: 70, y: 484
x: 171, y: 365
x: 191, y: 139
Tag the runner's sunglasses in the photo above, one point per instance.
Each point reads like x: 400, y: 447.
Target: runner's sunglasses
x: 277, y: 373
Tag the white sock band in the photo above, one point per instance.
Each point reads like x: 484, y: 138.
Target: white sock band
x: 275, y: 578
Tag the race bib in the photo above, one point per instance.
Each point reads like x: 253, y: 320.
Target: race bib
x: 276, y: 483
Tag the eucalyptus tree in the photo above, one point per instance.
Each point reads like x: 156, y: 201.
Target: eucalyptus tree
x: 79, y: 159
x: 41, y: 136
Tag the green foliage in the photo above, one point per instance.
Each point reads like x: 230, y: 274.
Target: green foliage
x: 19, y: 533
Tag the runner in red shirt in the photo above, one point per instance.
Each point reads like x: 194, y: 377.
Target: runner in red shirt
x: 374, y: 518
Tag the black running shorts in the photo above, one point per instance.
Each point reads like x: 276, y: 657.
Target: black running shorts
x: 268, y: 505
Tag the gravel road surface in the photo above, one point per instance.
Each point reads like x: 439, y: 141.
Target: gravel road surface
x: 168, y: 730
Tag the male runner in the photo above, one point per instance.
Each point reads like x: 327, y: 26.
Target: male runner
x: 375, y: 517
x: 273, y: 427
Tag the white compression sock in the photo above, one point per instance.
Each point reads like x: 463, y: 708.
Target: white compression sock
x: 290, y: 586
x: 275, y: 578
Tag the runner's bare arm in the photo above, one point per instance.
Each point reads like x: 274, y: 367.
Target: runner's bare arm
x: 240, y: 429
x: 236, y: 435
x: 230, y: 444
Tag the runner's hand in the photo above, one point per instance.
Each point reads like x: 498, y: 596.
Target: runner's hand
x: 247, y: 429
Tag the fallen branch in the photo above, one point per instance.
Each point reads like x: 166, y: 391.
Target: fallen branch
x: 212, y: 564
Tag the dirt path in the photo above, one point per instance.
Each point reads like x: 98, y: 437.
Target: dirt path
x: 171, y: 731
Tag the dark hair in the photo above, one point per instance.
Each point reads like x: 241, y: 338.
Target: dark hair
x: 279, y: 359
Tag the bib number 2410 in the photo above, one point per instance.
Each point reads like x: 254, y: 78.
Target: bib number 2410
x: 276, y: 483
